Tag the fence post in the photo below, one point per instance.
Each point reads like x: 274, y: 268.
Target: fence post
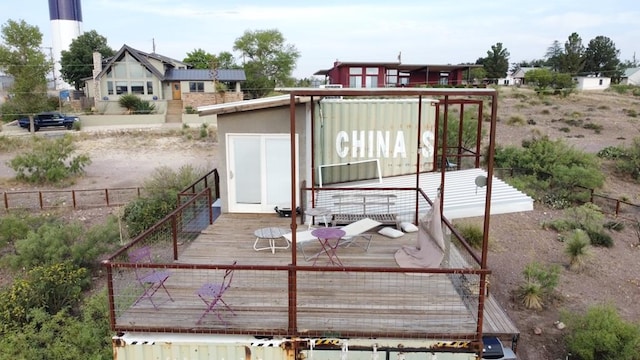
x: 40, y: 199
x: 73, y: 198
x: 6, y: 201
x: 174, y: 235
x: 106, y: 195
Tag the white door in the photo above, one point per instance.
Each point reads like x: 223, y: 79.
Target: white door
x: 259, y: 175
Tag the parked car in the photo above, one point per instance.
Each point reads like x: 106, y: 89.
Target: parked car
x: 49, y: 118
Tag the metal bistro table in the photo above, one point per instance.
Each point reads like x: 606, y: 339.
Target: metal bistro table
x: 271, y: 234
x: 329, y: 240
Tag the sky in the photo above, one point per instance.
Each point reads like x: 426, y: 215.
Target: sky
x: 422, y: 31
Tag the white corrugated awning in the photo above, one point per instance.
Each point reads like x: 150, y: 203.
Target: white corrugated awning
x: 462, y: 197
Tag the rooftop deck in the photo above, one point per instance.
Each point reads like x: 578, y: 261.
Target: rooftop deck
x: 370, y: 295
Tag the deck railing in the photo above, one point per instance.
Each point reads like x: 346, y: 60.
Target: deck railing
x: 297, y: 300
x: 75, y: 199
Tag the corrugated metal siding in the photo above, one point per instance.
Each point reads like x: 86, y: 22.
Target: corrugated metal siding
x: 194, y: 347
x: 356, y: 130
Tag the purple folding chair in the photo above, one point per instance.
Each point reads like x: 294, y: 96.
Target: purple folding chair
x: 151, y: 280
x: 211, y: 294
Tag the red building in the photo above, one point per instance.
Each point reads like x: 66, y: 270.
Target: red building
x: 389, y: 74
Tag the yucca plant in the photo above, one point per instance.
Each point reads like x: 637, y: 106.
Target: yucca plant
x: 531, y: 295
x: 577, y: 249
x: 539, y: 282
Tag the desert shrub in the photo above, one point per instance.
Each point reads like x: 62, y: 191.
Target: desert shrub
x: 51, y: 242
x: 545, y: 112
x: 13, y: 227
x: 601, y: 333
x: 516, y: 120
x: 565, y: 129
x: 550, y: 169
x: 190, y: 109
x: 614, y: 225
x: 539, y: 283
x: 628, y: 160
x: 49, y: 161
x: 161, y: 189
x: 600, y: 238
x: 62, y: 335
x: 604, y: 107
x: 577, y: 249
x: 597, y: 128
x: 632, y: 113
x: 611, y: 152
x: 52, y: 288
x: 472, y: 233
x: 204, y: 131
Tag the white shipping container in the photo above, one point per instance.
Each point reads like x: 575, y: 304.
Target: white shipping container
x: 359, y: 131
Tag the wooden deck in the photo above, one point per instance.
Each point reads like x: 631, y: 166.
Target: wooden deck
x: 329, y: 302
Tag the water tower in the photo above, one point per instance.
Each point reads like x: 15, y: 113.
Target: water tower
x: 66, y: 25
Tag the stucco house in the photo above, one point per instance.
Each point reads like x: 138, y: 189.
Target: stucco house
x: 393, y: 74
x: 171, y: 85
x: 631, y: 76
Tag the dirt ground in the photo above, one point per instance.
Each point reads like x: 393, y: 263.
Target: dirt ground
x: 612, y: 275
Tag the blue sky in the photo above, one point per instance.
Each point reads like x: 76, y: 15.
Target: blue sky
x: 433, y: 32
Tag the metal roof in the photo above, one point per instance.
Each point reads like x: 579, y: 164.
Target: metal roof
x: 248, y: 105
x: 462, y: 198
x: 205, y: 75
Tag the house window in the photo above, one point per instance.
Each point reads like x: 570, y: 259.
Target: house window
x: 122, y: 87
x: 372, y: 78
x: 109, y: 87
x: 444, y: 78
x: 137, y: 87
x: 355, y: 77
x: 392, y: 77
x: 600, y: 82
x: 196, y: 86
x: 149, y: 87
x: 404, y: 79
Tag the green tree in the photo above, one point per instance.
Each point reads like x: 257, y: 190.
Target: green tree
x: 226, y: 60
x: 554, y: 56
x: 602, y: 57
x: 268, y: 60
x: 496, y: 64
x: 200, y: 59
x: 22, y: 58
x: 542, y: 78
x: 572, y: 60
x: 77, y: 62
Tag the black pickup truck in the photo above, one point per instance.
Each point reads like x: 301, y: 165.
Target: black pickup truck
x: 50, y: 118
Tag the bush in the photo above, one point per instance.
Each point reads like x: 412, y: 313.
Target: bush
x: 539, y: 283
x: 577, y: 249
x: 135, y: 105
x: 51, y: 288
x: 599, y: 238
x: 551, y: 169
x: 628, y: 160
x: 49, y: 161
x: 162, y: 189
x: 601, y: 334
x: 52, y: 242
x: 473, y: 234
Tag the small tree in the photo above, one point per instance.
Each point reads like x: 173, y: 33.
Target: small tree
x: 49, y: 161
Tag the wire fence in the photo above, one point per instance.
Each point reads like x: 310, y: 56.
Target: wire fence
x: 74, y: 199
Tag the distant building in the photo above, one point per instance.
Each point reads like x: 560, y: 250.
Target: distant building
x: 592, y: 82
x: 394, y: 74
x: 159, y: 79
x: 631, y: 76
